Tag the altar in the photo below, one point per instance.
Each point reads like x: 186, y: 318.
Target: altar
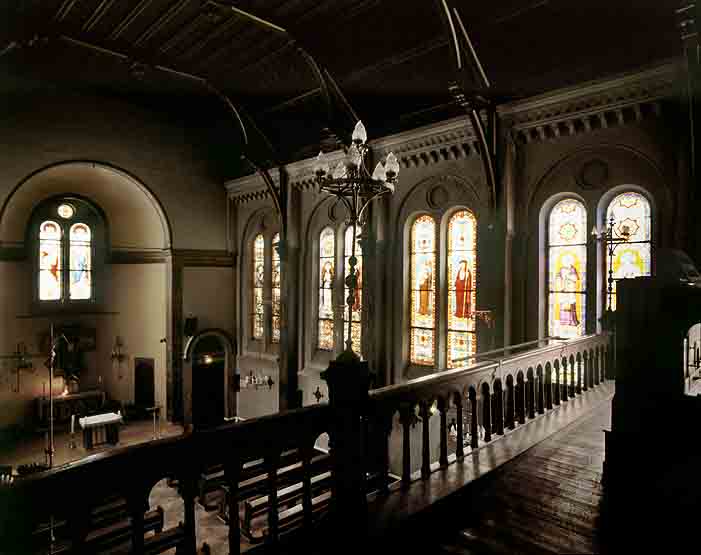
x: 94, y: 426
x: 66, y: 405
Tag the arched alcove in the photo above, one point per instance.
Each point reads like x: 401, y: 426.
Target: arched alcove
x: 137, y: 219
x: 208, y: 379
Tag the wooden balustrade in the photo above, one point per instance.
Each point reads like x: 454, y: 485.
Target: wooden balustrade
x: 494, y: 396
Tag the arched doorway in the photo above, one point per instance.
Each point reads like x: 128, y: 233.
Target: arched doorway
x: 206, y: 379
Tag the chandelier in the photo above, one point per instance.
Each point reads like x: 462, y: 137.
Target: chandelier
x: 351, y: 183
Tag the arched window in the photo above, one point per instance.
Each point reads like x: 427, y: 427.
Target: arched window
x: 567, y: 268
x: 276, y: 288
x: 327, y: 262
x: 630, y: 212
x: 258, y: 280
x: 69, y: 237
x: 462, y: 274
x: 358, y: 293
x: 50, y: 258
x: 422, y: 302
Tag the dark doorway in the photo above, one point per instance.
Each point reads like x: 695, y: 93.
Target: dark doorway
x: 208, y: 363
x: 144, y: 385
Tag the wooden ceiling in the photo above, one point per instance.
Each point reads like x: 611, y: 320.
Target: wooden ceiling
x: 390, y: 59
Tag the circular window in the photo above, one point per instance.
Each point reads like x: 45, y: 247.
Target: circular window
x: 66, y: 211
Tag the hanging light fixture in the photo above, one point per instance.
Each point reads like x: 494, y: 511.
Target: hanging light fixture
x: 352, y: 183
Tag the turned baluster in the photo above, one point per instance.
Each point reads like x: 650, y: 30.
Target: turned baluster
x: 79, y: 523
x: 585, y: 367
x: 578, y: 389
x: 232, y: 474
x: 425, y: 413
x: 548, y: 387
x: 541, y: 392
x: 486, y: 415
x: 459, y: 451
x: 271, y: 464
x: 406, y: 417
x: 596, y: 367
x: 137, y: 507
x: 498, y: 409
x: 556, y: 388
x: 530, y: 390
x: 443, y: 408
x: 520, y: 399
x: 474, y: 440
x: 510, y: 402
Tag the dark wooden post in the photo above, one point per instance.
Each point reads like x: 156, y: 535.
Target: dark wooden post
x: 486, y: 413
x: 425, y: 413
x: 443, y: 408
x: 459, y: 451
x: 271, y: 463
x: 521, y: 398
x: 137, y: 507
x: 556, y: 388
x: 232, y: 473
x: 579, y: 375
x: 307, y: 450
x: 407, y: 418
x: 510, y: 419
x: 474, y: 440
x: 548, y: 372
x: 187, y: 480
x: 531, y: 393
x: 79, y: 524
x: 541, y: 392
x: 348, y: 380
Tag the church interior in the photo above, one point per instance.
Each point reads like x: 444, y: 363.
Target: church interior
x: 279, y: 275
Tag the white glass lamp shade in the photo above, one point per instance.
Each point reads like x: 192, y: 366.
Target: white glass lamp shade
x: 339, y: 171
x: 379, y: 173
x: 360, y: 135
x: 321, y: 167
x: 353, y: 157
x: 391, y: 166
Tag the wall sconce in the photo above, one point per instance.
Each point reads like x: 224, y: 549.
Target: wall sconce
x: 117, y: 353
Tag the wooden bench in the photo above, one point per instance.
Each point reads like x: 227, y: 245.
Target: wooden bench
x: 286, y: 498
x: 103, y: 539
x: 212, y: 480
x: 286, y: 476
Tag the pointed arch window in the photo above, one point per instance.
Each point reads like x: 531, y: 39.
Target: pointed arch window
x: 258, y: 279
x: 327, y: 253
x: 567, y: 263
x: 276, y: 288
x: 462, y: 287
x: 631, y: 214
x: 422, y: 271
x: 356, y: 326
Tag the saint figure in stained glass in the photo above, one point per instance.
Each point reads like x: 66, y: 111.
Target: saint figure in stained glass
x: 567, y: 260
x: 425, y: 287
x: 463, y: 287
x: 327, y: 250
x: 80, y: 270
x: 276, y: 288
x: 258, y: 284
x: 50, y: 272
x: 423, y: 291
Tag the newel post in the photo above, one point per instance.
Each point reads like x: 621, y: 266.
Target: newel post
x: 348, y: 380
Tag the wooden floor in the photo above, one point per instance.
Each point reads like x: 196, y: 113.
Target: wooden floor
x: 548, y: 500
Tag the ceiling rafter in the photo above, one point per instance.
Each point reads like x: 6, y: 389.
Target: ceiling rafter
x: 97, y: 15
x: 163, y: 20
x: 64, y: 9
x: 220, y: 30
x: 129, y: 19
x: 181, y: 33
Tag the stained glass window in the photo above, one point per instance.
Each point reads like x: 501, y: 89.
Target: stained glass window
x: 462, y: 281
x: 65, y: 211
x: 423, y: 291
x: 567, y: 268
x: 50, y: 267
x: 631, y: 214
x: 327, y: 251
x: 276, y: 288
x: 80, y: 263
x: 258, y: 278
x: 358, y: 293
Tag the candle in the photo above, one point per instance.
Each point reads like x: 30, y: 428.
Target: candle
x: 72, y: 423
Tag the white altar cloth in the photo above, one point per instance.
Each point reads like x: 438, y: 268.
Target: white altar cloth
x: 99, y: 420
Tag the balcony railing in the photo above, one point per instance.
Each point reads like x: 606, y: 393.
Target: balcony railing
x: 499, y: 393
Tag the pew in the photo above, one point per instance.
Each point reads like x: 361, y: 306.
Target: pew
x: 107, y: 535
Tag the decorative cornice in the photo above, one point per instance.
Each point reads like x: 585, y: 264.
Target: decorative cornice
x: 154, y: 256
x: 204, y: 258
x: 628, y: 98
x: 582, y: 108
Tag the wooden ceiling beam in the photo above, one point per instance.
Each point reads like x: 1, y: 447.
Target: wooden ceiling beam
x: 97, y: 14
x: 132, y: 16
x: 165, y: 18
x: 64, y: 9
x: 219, y: 30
